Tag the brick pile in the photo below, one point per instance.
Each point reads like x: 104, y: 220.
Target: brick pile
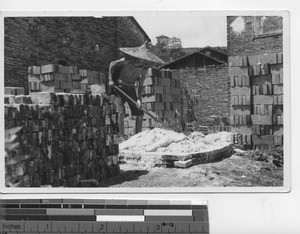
x: 257, y: 98
x: 62, y: 79
x: 71, y: 137
x: 161, y: 97
x: 14, y: 91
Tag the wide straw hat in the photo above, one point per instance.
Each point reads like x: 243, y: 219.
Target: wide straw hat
x: 142, y: 52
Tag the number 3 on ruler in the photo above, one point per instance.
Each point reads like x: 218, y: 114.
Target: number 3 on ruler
x: 157, y: 227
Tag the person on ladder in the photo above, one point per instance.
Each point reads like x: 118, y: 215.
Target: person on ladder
x: 125, y: 73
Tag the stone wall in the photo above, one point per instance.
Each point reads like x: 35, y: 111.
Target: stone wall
x: 249, y: 35
x: 209, y: 88
x: 85, y: 42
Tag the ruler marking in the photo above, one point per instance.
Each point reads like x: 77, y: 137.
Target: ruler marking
x: 179, y: 226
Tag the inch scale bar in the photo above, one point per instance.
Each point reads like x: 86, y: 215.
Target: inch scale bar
x: 102, y: 227
x: 77, y: 216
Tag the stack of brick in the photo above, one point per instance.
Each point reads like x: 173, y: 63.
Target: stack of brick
x: 92, y: 79
x: 70, y: 137
x: 257, y: 99
x: 14, y: 91
x: 161, y: 97
x: 62, y: 79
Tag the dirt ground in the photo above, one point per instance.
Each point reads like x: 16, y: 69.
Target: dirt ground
x: 236, y: 171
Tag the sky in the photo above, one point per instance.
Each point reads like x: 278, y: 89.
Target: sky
x: 193, y: 28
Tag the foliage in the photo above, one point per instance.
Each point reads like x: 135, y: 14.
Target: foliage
x: 191, y: 102
x: 14, y: 163
x: 277, y: 155
x: 272, y: 154
x: 170, y: 51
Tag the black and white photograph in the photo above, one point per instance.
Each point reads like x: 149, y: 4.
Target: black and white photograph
x: 149, y: 100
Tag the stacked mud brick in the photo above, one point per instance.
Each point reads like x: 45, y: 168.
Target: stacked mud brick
x: 70, y: 138
x: 62, y: 79
x: 14, y: 91
x: 257, y: 99
x: 161, y: 97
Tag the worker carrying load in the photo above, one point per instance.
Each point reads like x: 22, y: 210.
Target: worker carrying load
x: 122, y: 78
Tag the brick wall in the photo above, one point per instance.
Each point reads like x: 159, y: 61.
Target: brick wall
x: 248, y: 35
x: 210, y: 88
x: 86, y: 42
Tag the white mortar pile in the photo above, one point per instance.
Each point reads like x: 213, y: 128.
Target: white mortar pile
x: 165, y: 141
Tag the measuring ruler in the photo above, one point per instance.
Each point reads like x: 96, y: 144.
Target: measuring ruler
x: 55, y: 216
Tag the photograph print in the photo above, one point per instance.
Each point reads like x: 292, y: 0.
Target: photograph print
x: 184, y: 99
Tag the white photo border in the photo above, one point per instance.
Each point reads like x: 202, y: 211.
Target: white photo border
x: 124, y: 190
